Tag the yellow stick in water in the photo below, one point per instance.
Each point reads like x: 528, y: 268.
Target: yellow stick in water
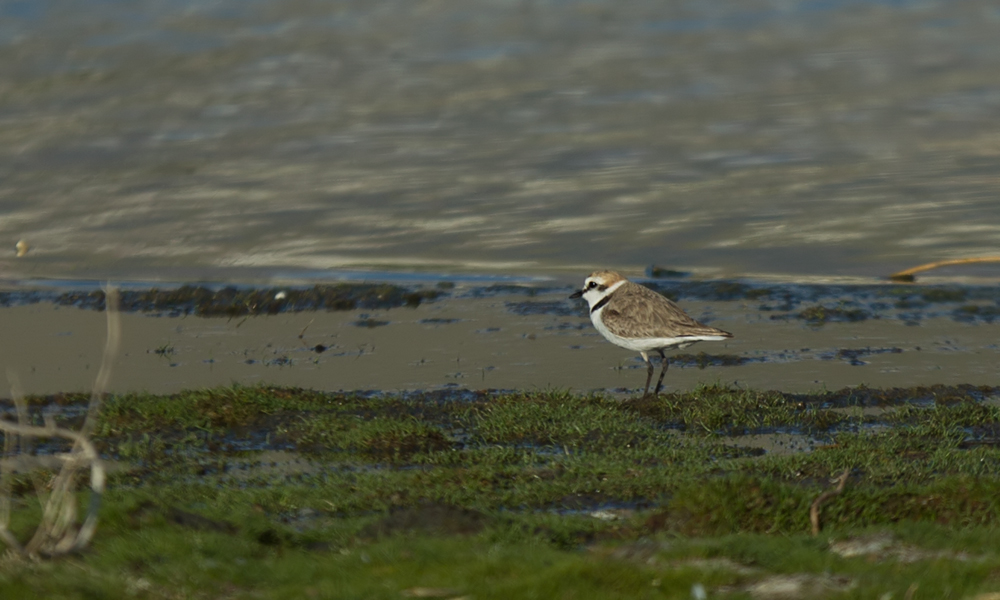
x: 909, y: 274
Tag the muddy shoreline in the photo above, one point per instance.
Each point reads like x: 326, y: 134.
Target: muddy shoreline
x: 446, y: 335
x: 492, y: 419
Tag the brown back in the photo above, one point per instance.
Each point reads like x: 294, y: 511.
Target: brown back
x: 635, y: 311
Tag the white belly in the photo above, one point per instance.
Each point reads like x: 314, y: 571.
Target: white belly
x: 644, y: 345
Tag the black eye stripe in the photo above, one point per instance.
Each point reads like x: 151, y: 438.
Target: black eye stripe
x: 601, y: 288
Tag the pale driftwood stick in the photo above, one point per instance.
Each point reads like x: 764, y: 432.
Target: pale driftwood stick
x: 908, y: 274
x: 54, y: 508
x: 60, y: 511
x: 101, y: 382
x: 110, y: 352
x: 814, y: 509
x: 59, y: 515
x: 57, y: 533
x: 68, y: 542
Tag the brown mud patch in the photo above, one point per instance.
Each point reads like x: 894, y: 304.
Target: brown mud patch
x: 379, y: 337
x: 428, y: 518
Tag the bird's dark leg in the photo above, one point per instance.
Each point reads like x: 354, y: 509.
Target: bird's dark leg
x: 659, y: 383
x: 649, y: 373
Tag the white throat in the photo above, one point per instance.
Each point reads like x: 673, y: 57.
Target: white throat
x: 595, y: 295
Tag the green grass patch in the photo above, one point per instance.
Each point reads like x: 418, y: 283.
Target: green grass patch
x: 264, y: 492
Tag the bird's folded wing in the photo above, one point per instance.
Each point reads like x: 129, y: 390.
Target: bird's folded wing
x: 643, y: 313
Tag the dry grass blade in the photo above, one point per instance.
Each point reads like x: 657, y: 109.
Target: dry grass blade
x: 57, y: 532
x: 818, y: 502
x: 54, y: 534
x: 111, y: 346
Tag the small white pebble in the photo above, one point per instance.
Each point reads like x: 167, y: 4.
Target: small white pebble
x: 22, y: 248
x: 280, y: 296
x: 698, y: 592
x: 604, y: 515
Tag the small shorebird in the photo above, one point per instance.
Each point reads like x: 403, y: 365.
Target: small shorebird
x: 635, y: 317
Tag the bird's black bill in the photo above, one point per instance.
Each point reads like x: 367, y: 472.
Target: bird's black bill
x: 577, y: 294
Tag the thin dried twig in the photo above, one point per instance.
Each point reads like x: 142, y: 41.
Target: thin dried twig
x: 818, y: 502
x: 57, y: 532
x: 60, y: 511
x: 111, y: 346
x: 303, y: 332
x: 909, y: 274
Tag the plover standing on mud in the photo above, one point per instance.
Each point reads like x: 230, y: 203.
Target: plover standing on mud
x: 635, y: 317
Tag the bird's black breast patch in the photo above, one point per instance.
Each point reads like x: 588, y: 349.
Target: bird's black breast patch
x: 603, y: 301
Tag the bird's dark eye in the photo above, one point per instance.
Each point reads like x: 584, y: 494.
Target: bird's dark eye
x: 592, y: 285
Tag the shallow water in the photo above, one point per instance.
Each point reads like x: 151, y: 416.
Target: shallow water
x: 251, y: 141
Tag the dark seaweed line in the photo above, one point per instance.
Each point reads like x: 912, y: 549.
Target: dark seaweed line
x: 232, y: 301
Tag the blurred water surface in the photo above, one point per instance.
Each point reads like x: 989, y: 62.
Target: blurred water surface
x: 245, y: 140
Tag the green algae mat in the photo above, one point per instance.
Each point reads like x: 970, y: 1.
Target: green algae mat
x: 263, y: 492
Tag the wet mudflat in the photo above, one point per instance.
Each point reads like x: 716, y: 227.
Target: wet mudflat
x: 441, y: 335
